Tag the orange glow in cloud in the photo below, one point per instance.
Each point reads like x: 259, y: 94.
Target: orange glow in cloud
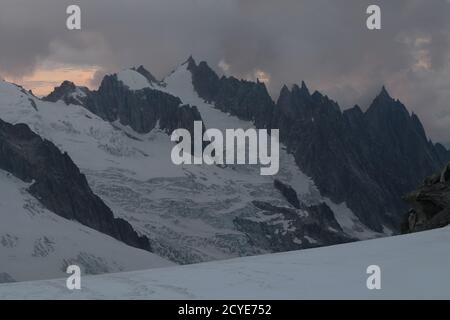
x: 43, y: 80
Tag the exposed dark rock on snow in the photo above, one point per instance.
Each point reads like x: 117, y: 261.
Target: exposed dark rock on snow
x: 142, y: 110
x: 367, y: 159
x: 204, y: 79
x: 245, y: 99
x: 288, y: 192
x: 58, y: 184
x: 430, y: 203
x: 286, y: 229
x: 146, y: 74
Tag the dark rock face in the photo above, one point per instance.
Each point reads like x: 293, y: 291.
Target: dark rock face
x: 204, y: 79
x: 317, y: 228
x: 430, y: 204
x: 442, y: 153
x: 67, y: 92
x: 245, y: 99
x: 296, y: 228
x: 142, y: 110
x: 367, y: 159
x: 146, y: 74
x: 58, y: 184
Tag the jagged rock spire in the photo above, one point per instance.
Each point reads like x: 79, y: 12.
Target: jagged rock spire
x: 304, y: 88
x: 190, y: 61
x: 384, y: 93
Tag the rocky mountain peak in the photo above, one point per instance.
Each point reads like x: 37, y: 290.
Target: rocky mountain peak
x: 304, y: 88
x: 319, y: 97
x: 384, y: 107
x: 204, y: 79
x: 302, y: 91
x: 69, y: 85
x: 129, y: 98
x: 383, y: 102
x: 384, y: 93
x: 69, y: 93
x: 284, y: 90
x: 190, y: 62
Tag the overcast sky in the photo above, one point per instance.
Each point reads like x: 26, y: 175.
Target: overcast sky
x: 324, y: 42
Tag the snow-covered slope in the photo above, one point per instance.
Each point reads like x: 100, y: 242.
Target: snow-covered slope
x: 412, y: 267
x: 133, y: 80
x: 37, y: 244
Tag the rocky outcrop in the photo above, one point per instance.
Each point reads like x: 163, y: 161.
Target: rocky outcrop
x: 143, y: 110
x: 58, y: 183
x: 205, y: 81
x: 288, y: 192
x: 245, y: 99
x: 69, y: 93
x: 430, y: 204
x: 285, y: 229
x: 367, y: 159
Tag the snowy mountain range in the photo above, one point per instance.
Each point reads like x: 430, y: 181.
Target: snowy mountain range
x: 90, y: 180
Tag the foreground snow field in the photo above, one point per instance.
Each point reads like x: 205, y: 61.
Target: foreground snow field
x: 412, y: 266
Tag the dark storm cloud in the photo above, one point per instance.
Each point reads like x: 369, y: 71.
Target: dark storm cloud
x: 323, y: 42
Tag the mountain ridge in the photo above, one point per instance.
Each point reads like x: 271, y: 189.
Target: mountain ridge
x: 368, y: 159
x: 298, y: 113
x: 304, y: 119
